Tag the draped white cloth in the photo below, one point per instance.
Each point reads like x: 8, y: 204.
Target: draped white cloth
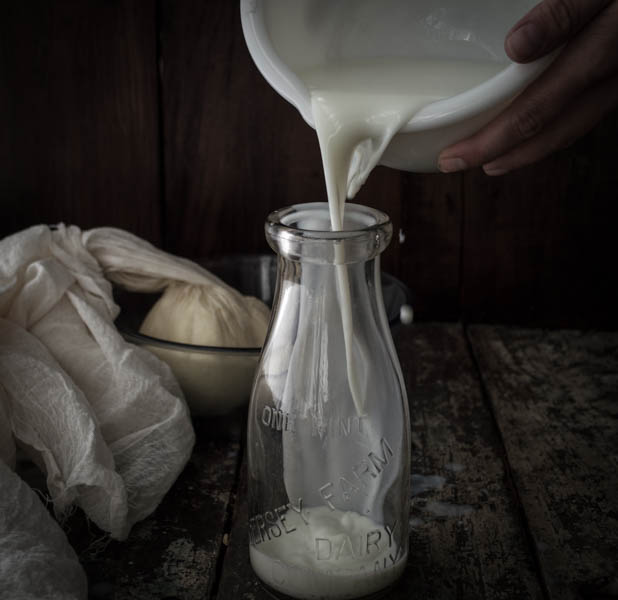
x: 105, y: 420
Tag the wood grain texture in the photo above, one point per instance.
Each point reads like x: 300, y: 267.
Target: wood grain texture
x: 234, y: 150
x: 539, y: 244
x: 238, y: 582
x: 555, y: 398
x: 430, y: 257
x: 78, y: 107
x: 173, y: 553
x: 467, y: 539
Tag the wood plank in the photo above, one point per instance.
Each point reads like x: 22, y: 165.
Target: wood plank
x: 539, y: 244
x: 174, y: 552
x: 78, y: 99
x: 237, y: 577
x: 430, y: 259
x: 234, y: 149
x: 467, y: 539
x: 554, y: 395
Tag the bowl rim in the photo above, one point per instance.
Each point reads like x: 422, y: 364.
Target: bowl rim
x: 141, y: 339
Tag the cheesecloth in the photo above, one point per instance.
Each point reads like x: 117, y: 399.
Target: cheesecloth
x: 105, y: 420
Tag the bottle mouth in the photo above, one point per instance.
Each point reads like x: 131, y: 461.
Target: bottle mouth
x: 303, y: 232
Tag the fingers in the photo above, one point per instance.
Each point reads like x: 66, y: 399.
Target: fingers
x: 576, y: 120
x: 521, y: 121
x: 548, y: 26
x: 584, y: 64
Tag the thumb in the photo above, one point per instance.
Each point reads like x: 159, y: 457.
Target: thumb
x: 548, y: 25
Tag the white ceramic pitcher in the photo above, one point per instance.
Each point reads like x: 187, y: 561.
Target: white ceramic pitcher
x: 287, y: 36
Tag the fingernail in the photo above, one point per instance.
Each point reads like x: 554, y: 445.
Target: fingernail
x: 494, y: 170
x: 525, y: 41
x: 452, y: 165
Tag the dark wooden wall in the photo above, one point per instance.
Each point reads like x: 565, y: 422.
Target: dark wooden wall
x: 149, y: 115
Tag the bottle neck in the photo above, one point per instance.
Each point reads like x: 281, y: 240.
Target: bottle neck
x: 302, y: 233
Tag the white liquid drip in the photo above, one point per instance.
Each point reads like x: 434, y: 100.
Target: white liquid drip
x: 357, y: 108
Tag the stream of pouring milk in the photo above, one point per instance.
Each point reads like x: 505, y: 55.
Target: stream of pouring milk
x: 357, y: 108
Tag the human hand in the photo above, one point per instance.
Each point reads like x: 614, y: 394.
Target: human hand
x: 565, y: 102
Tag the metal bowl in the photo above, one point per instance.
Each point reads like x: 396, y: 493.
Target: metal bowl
x: 217, y: 380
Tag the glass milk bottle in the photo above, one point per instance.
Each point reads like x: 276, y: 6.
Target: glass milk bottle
x: 328, y: 434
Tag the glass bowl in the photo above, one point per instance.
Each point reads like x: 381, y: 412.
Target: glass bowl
x: 217, y: 380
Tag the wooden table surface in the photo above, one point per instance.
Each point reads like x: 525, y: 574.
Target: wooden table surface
x: 514, y: 480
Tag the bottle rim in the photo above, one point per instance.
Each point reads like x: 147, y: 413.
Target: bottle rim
x: 302, y: 231
x: 359, y: 221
